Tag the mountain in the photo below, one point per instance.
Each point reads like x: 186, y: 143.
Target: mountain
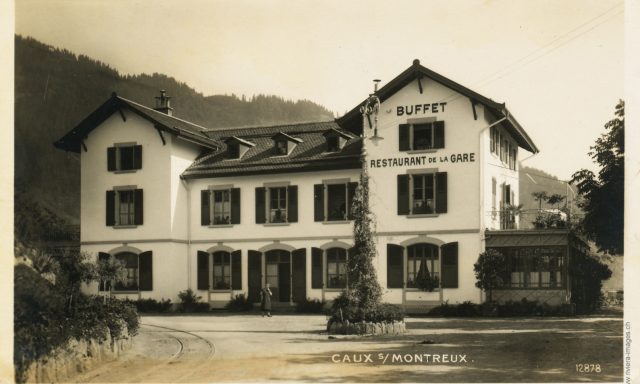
x: 55, y: 89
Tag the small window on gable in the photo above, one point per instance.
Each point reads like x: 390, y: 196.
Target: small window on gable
x: 237, y: 147
x: 284, y: 144
x: 124, y: 157
x: 333, y: 144
x: 335, y: 140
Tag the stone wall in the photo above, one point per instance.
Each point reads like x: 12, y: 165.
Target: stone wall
x: 347, y: 328
x: 75, y: 357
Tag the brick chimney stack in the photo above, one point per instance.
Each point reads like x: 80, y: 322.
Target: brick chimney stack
x: 163, y: 103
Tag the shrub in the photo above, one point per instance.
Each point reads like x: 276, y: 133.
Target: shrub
x: 466, y: 309
x: 310, y: 306
x: 190, y: 302
x: 152, y: 305
x: 239, y: 303
x: 343, y: 308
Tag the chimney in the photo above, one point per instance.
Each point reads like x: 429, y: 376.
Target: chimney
x: 163, y: 103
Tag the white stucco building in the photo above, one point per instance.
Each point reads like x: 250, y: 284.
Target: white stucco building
x: 222, y: 211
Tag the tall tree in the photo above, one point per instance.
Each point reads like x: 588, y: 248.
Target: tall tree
x: 603, y: 194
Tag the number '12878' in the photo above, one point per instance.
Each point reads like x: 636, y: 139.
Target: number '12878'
x: 588, y: 368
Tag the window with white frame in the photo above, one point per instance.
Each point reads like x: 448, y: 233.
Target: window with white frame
x: 336, y: 268
x: 220, y: 205
x: 277, y: 204
x: 422, y: 193
x: 221, y: 270
x: 422, y: 262
x: 419, y: 136
x: 124, y: 206
x: 124, y: 157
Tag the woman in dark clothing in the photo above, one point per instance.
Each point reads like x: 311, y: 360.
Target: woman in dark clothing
x: 265, y: 300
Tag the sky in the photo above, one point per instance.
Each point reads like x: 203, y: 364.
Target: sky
x: 558, y: 65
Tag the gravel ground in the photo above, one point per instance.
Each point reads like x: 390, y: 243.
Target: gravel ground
x: 250, y: 348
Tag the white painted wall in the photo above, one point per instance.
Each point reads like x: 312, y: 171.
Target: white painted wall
x: 153, y: 178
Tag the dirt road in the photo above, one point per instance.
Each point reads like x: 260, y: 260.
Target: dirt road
x: 222, y: 348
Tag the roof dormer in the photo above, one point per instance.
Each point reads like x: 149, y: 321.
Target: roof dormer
x: 283, y: 144
x: 237, y: 147
x: 335, y: 140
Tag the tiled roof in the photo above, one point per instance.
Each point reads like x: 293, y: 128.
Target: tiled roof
x: 308, y: 155
x: 72, y: 141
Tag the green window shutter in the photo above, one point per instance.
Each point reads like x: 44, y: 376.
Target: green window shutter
x: 138, y: 206
x: 103, y: 256
x: 111, y: 159
x: 299, y: 275
x: 145, y: 265
x: 254, y: 269
x: 438, y: 134
x: 316, y: 268
x: 111, y: 208
x: 235, y: 206
x: 318, y: 202
x: 395, y: 266
x: 450, y: 265
x: 260, y: 206
x: 403, y: 194
x: 203, y: 270
x: 236, y: 270
x: 204, y: 207
x: 292, y: 202
x: 441, y: 192
x: 137, y: 157
x: 404, y: 137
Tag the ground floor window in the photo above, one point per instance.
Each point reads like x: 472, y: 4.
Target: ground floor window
x: 422, y: 264
x: 130, y: 263
x: 539, y: 267
x: 221, y: 270
x: 336, y: 268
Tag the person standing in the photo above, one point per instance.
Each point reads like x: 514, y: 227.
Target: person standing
x: 265, y: 300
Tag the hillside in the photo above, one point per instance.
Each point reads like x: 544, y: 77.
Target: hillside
x: 55, y: 89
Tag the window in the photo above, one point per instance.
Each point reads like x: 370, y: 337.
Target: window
x: 332, y: 201
x: 277, y: 204
x: 220, y: 206
x: 124, y: 157
x: 233, y: 150
x: 422, y: 193
x: 508, y: 219
x: 336, y: 268
x: 130, y: 262
x: 124, y: 206
x: 138, y: 271
x: 333, y: 144
x: 421, y: 136
x: 282, y: 147
x: 493, y: 198
x: 221, y: 270
x: 528, y: 267
x: 422, y: 262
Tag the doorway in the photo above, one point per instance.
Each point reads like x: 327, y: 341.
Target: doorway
x: 278, y: 274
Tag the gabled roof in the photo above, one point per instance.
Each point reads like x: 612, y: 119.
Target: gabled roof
x: 239, y: 140
x: 308, y: 155
x: 335, y: 132
x: 288, y: 137
x: 352, y: 120
x: 185, y: 130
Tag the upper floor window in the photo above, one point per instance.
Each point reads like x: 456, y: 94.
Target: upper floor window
x: 333, y: 144
x: 237, y: 147
x: 282, y: 147
x: 421, y: 136
x: 277, y: 204
x: 333, y: 200
x: 503, y: 148
x: 422, y: 193
x: 124, y: 157
x: 220, y: 206
x: 124, y: 206
x: 233, y: 150
x: 336, y: 139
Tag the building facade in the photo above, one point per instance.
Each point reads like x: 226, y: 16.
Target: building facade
x: 224, y: 211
